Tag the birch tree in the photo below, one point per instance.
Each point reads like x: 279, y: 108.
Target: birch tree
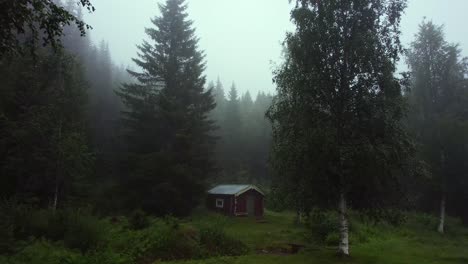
x: 41, y: 20
x: 339, y: 107
x: 438, y: 86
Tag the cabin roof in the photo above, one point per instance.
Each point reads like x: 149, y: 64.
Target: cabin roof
x: 234, y: 189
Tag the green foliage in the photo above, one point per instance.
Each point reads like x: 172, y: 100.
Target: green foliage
x: 40, y: 20
x: 83, y: 231
x: 217, y: 243
x: 77, y: 229
x: 423, y: 221
x: 138, y: 220
x: 332, y: 239
x: 42, y: 252
x: 7, y: 225
x: 321, y: 225
x: 337, y: 118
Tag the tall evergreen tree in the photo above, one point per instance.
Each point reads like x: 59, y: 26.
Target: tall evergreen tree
x: 337, y: 129
x: 219, y: 96
x: 232, y: 130
x: 169, y: 131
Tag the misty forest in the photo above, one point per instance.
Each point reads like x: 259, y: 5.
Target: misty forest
x: 358, y: 153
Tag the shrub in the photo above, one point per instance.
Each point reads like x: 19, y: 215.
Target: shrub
x: 55, y: 227
x: 321, y: 224
x: 332, y: 239
x: 361, y: 234
x: 11, y: 215
x: 138, y: 220
x: 42, y: 251
x: 426, y: 220
x: 78, y: 229
x: 183, y: 244
x: 171, y: 222
x: 83, y: 231
x: 216, y: 243
x: 108, y: 256
x: 395, y: 217
x: 6, y: 234
x: 40, y: 223
x: 162, y: 240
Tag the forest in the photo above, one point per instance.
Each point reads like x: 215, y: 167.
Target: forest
x: 360, y: 152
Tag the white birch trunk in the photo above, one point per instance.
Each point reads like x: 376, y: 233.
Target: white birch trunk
x: 297, y: 220
x: 343, y: 248
x: 442, y: 216
x: 442, y: 200
x: 54, y: 205
x: 58, y: 170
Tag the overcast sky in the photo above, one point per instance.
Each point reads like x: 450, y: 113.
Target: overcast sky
x: 242, y: 38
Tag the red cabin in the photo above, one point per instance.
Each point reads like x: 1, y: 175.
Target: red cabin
x: 236, y: 200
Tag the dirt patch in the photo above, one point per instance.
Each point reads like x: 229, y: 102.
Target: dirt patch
x: 281, y: 250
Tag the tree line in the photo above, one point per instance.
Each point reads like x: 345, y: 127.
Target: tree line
x: 244, y: 135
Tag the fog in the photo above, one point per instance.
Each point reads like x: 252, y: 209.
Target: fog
x: 135, y: 142
x: 242, y: 39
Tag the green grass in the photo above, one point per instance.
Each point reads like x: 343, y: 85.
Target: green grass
x: 205, y: 234
x: 413, y: 243
x: 278, y: 229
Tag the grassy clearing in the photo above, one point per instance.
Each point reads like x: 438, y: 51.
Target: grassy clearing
x: 278, y: 229
x: 40, y: 237
x: 414, y: 242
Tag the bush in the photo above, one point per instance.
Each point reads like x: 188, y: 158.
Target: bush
x: 216, y: 243
x: 163, y: 240
x: 78, y: 237
x: 425, y: 220
x: 48, y: 224
x: 362, y: 234
x: 78, y: 229
x: 11, y: 216
x: 332, y: 239
x: 167, y: 242
x: 321, y: 224
x: 395, y: 217
x: 83, y: 231
x: 108, y: 256
x: 7, y: 237
x: 138, y: 220
x: 41, y: 251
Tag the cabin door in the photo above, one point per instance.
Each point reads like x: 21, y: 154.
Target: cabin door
x: 251, y: 205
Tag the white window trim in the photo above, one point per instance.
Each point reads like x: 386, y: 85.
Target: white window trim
x: 219, y: 203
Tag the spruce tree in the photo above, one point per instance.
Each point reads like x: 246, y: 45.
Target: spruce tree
x: 169, y: 132
x: 219, y: 96
x: 232, y: 133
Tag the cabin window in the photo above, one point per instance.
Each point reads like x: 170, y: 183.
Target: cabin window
x: 219, y: 203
